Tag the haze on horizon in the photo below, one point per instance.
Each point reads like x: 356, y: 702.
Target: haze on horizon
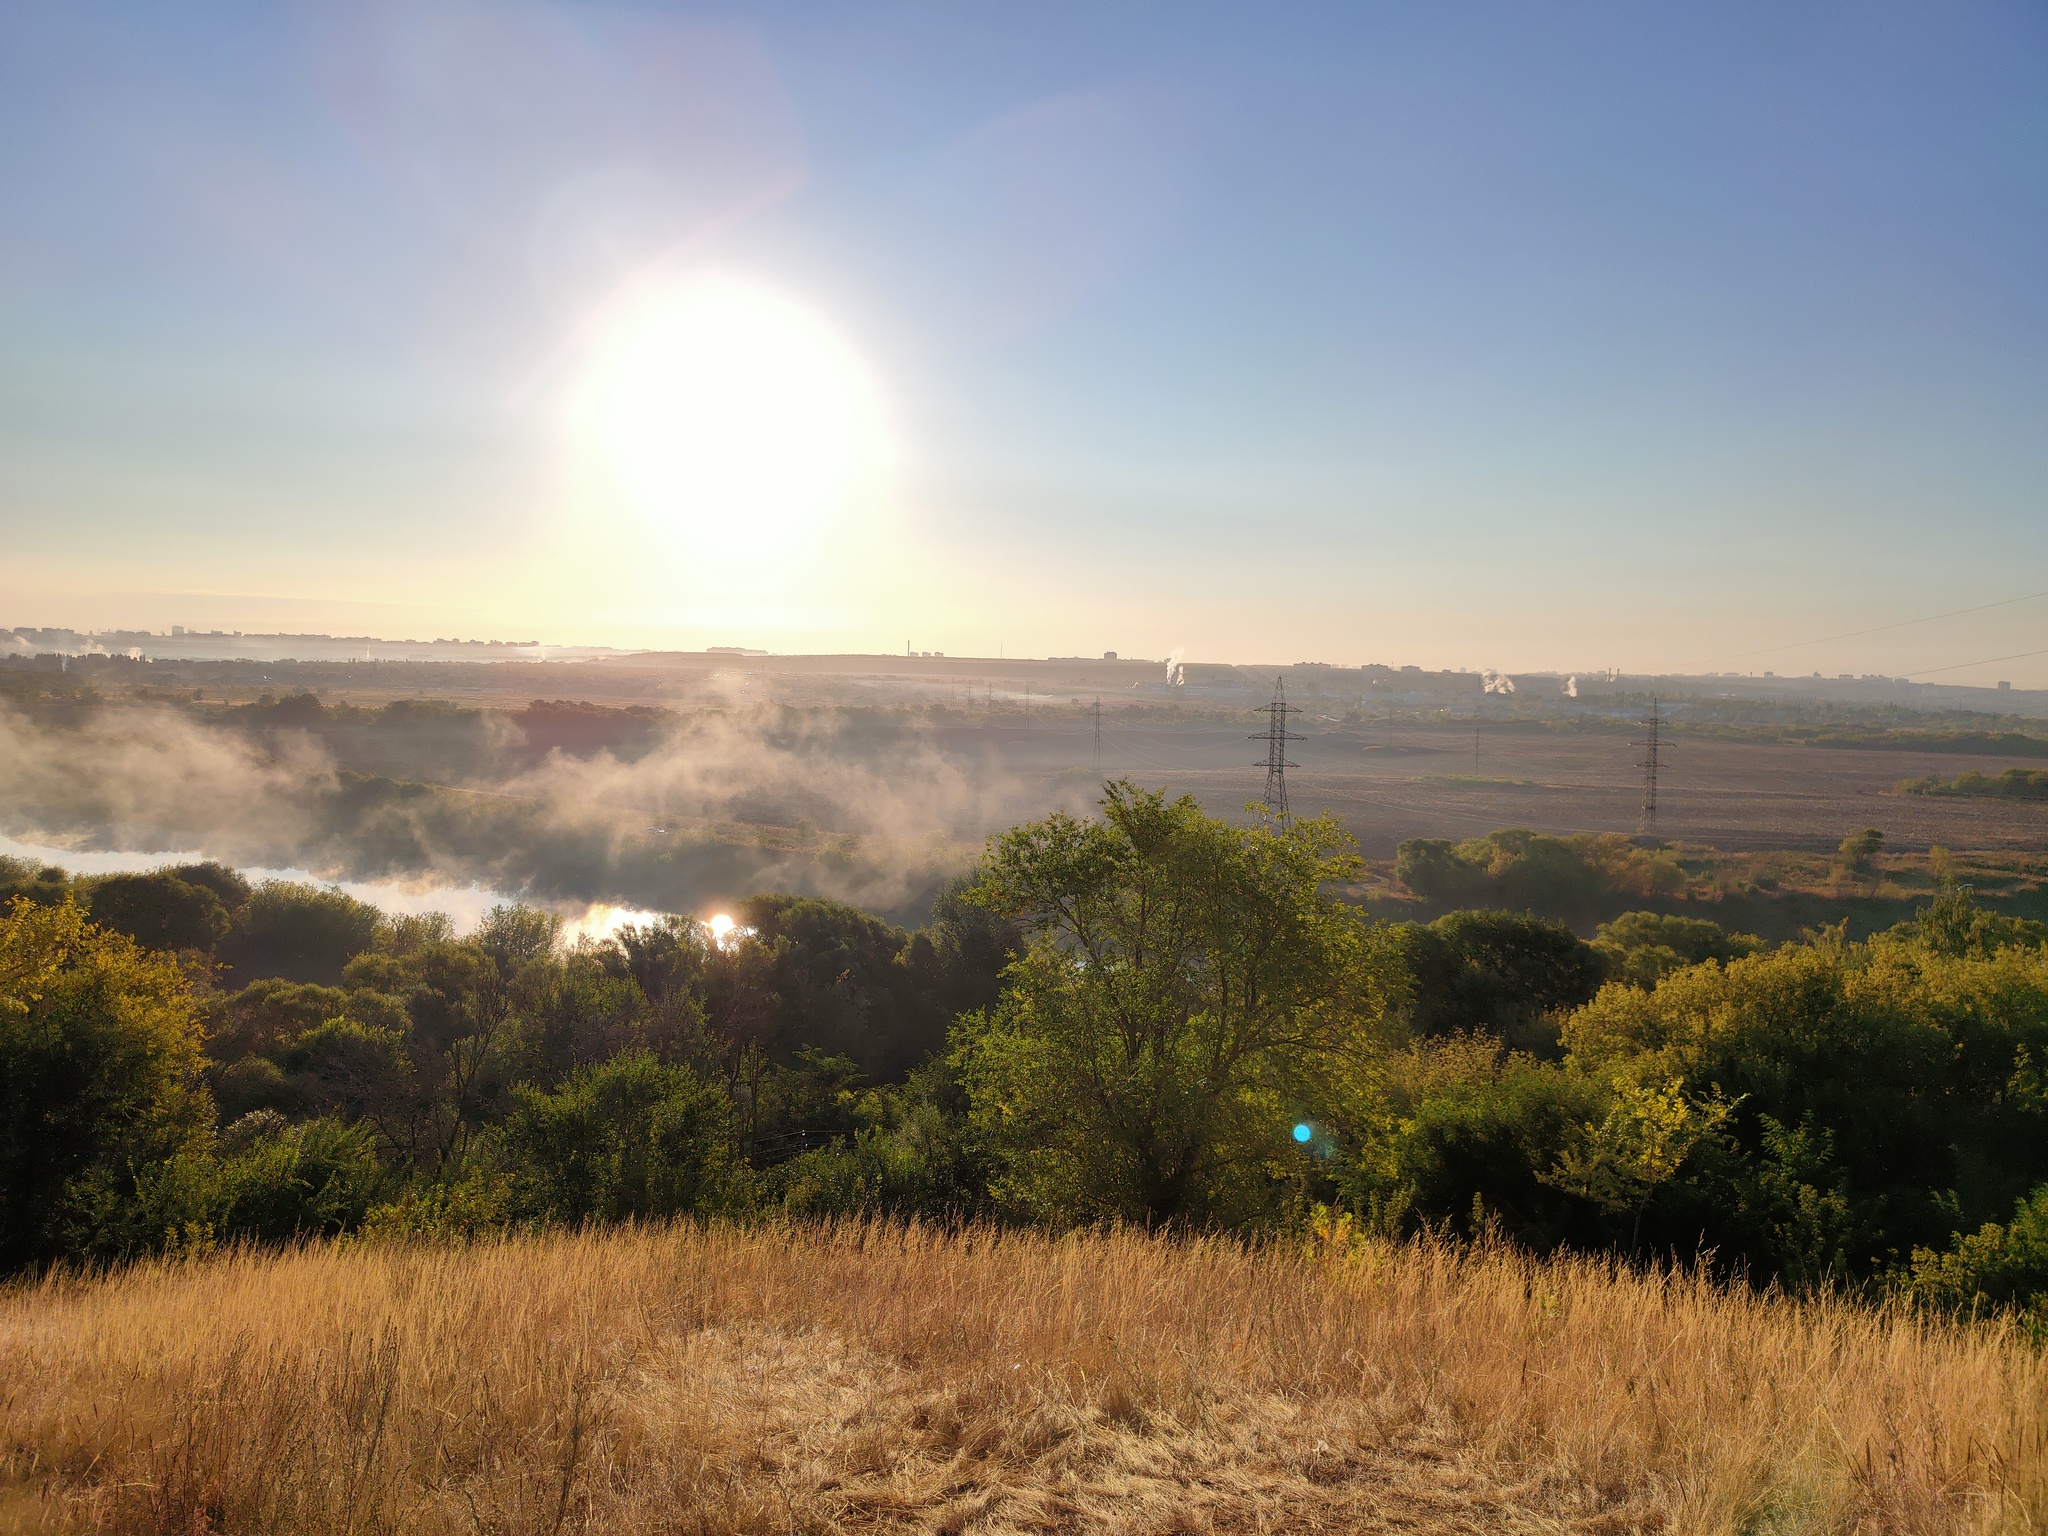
x: 1458, y: 335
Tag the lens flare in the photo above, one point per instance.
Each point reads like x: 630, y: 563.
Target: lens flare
x: 1303, y: 1131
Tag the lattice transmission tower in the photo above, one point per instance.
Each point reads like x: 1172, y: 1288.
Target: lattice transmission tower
x: 1276, y: 736
x: 1652, y: 733
x: 1098, y: 736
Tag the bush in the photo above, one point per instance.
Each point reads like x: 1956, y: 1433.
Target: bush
x: 252, y: 1085
x: 1859, y: 850
x: 630, y: 1138
x: 1465, y: 1136
x: 307, y: 1180
x: 1563, y: 877
x: 1996, y: 1267
x: 1953, y: 924
x: 875, y: 1174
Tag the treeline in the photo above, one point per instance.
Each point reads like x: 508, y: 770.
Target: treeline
x: 1151, y: 1016
x: 2013, y: 784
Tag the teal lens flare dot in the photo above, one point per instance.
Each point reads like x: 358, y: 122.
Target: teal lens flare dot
x: 1303, y: 1131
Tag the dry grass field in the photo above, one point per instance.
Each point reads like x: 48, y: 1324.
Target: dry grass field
x: 875, y: 1378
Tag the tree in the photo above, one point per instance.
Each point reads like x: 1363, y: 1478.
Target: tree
x: 1505, y: 972
x: 1637, y: 1147
x: 159, y: 911
x: 1643, y: 947
x: 1860, y: 850
x: 300, y: 932
x: 225, y: 883
x: 99, y: 1081
x: 1953, y: 924
x: 1185, y: 988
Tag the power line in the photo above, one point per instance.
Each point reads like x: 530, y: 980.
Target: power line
x: 1276, y: 736
x: 1989, y: 661
x: 1878, y: 629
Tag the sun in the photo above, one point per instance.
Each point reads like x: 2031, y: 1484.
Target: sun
x: 731, y: 417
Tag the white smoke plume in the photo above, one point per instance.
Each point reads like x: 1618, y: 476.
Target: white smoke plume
x: 1176, y: 674
x: 1571, y: 687
x: 1491, y: 681
x: 728, y: 802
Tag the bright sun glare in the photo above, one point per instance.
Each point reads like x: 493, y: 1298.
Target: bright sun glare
x: 731, y: 416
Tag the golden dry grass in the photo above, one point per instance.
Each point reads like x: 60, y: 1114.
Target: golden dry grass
x: 872, y: 1377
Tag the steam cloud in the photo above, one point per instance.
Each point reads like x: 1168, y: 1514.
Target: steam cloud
x: 828, y: 805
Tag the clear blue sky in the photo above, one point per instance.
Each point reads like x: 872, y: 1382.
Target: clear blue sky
x: 1519, y: 336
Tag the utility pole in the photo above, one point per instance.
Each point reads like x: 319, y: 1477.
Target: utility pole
x: 1098, y: 736
x: 1276, y: 736
x: 1652, y: 724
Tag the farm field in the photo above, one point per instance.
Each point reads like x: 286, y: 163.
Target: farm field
x: 1730, y: 794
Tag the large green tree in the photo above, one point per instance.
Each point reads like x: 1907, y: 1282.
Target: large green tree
x: 99, y: 1083
x: 1188, y: 987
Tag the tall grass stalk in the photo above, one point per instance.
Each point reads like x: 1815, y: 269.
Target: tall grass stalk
x: 724, y: 1379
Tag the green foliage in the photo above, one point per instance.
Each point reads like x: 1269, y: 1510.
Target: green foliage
x: 1953, y: 924
x: 1645, y: 1137
x: 630, y: 1138
x: 2013, y: 784
x: 45, y: 885
x: 1642, y: 948
x: 99, y: 1083
x: 916, y: 1154
x: 406, y: 932
x: 1514, y: 869
x: 252, y: 1085
x: 1456, y: 1133
x: 227, y: 885
x: 848, y: 983
x: 1878, y: 1086
x: 1505, y: 972
x: 268, y: 1014
x: 1859, y: 850
x: 278, y: 1182
x: 1997, y: 1267
x: 159, y: 911
x: 1143, y: 1007
x: 478, y: 1203
x: 299, y: 932
x: 1186, y: 983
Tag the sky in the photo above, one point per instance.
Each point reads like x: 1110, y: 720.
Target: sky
x: 1657, y: 336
